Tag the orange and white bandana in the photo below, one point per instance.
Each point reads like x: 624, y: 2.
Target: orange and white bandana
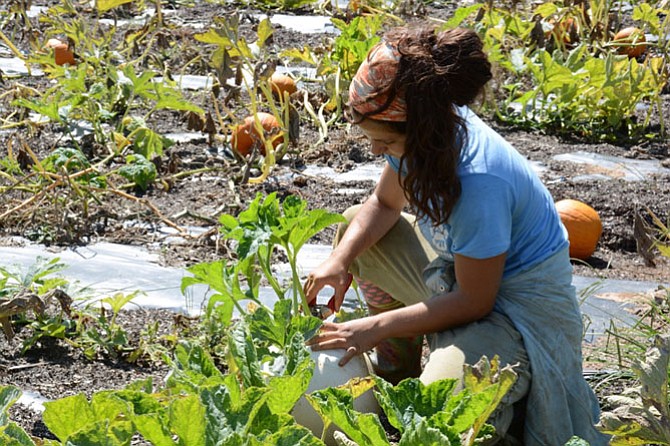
x: 376, y: 71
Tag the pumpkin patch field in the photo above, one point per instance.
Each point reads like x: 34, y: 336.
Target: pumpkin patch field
x: 193, y: 129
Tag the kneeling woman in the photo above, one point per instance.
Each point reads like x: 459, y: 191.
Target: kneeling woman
x: 482, y: 264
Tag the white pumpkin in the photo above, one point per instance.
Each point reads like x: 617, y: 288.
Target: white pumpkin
x: 327, y: 373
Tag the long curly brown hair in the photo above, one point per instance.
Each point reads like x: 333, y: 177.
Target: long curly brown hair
x: 436, y: 71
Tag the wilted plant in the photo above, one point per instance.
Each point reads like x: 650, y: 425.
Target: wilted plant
x: 642, y: 414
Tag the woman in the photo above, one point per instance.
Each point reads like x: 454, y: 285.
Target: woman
x: 483, y: 264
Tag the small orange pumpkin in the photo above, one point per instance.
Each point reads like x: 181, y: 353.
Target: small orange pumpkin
x: 583, y: 225
x: 281, y: 83
x: 245, y: 134
x: 62, y: 52
x: 566, y: 30
x: 630, y: 41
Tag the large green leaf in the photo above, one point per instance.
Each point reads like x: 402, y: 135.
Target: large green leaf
x: 12, y: 434
x: 244, y: 354
x: 290, y: 435
x: 154, y: 429
x: 68, y: 415
x: 187, y: 420
x: 485, y: 384
x: 425, y: 435
x: 286, y: 390
x: 103, y: 433
x: 8, y: 396
x: 193, y: 362
x: 107, y: 405
x: 336, y: 405
x: 226, y: 416
x: 408, y: 402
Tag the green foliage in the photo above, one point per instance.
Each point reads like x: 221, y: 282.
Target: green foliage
x: 232, y: 53
x: 34, y: 288
x: 139, y: 170
x: 424, y: 414
x: 586, y: 93
x: 11, y: 434
x: 96, y: 91
x: 642, y: 414
x: 268, y: 370
x: 559, y: 71
x: 197, y: 406
x: 282, y: 5
x: 351, y: 46
x: 69, y: 160
x: 97, y: 330
x: 267, y: 225
x: 35, y: 277
x: 106, y: 5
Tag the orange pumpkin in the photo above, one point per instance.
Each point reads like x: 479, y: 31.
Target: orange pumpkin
x: 565, y: 30
x: 62, y: 52
x: 281, y: 83
x: 245, y: 135
x: 583, y: 225
x: 630, y: 41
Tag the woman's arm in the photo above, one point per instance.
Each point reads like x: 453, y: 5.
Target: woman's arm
x: 377, y: 215
x: 478, y: 284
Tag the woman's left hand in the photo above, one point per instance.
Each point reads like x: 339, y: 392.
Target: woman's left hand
x: 356, y: 337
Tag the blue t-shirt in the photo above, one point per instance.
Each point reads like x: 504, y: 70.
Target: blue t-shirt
x: 503, y: 207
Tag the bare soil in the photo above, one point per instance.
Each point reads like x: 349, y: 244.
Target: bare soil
x: 54, y: 369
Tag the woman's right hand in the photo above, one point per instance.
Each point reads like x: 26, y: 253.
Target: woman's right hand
x: 329, y: 273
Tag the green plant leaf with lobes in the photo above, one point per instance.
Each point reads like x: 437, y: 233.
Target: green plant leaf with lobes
x: 213, y: 274
x: 425, y: 435
x: 14, y: 435
x: 286, y: 390
x: 485, y: 385
x: 119, y: 300
x: 50, y: 109
x: 193, y: 360
x: 103, y: 433
x: 310, y: 224
x: 170, y: 97
x: 244, y: 355
x: 461, y: 14
x: 410, y: 400
x: 271, y: 326
x: 187, y: 420
x: 227, y: 416
x: 215, y: 37
x: 139, y: 170
x: 142, y: 85
x: 68, y: 415
x: 336, y: 405
x: 154, y: 429
x: 139, y: 402
x: 107, y: 405
x: 291, y: 435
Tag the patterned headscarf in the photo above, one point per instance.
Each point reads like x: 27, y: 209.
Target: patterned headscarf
x: 377, y: 70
